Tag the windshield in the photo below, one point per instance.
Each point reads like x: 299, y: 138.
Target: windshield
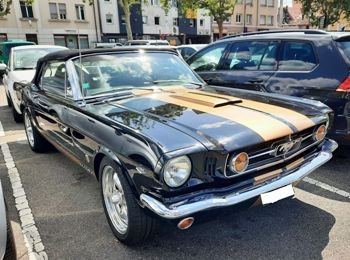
x: 109, y: 73
x: 27, y: 58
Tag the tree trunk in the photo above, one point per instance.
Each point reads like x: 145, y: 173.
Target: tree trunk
x: 221, y: 28
x: 127, y: 23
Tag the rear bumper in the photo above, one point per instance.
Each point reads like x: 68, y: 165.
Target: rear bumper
x: 196, y: 205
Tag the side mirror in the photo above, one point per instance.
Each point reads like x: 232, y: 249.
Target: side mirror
x: 3, y: 67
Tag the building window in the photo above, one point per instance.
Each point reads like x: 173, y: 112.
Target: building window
x: 145, y: 19
x: 174, y: 3
x: 122, y: 19
x: 155, y: 2
x: 109, y: 18
x: 175, y: 21
x: 192, y: 22
x: 27, y: 10
x: 269, y: 20
x: 239, y: 18
x: 270, y: 3
x: 249, y: 19
x: 32, y: 38
x: 262, y: 20
x: 263, y: 2
x: 58, y: 11
x: 201, y: 22
x: 80, y: 12
x: 156, y: 20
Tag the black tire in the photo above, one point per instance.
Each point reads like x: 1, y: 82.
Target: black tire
x: 10, y: 253
x: 139, y: 225
x: 35, y: 140
x: 16, y: 116
x: 9, y: 103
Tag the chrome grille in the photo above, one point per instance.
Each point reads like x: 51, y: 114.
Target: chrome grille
x: 265, y: 155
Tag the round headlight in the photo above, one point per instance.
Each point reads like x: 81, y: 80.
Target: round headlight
x: 320, y: 133
x: 177, y: 171
x: 239, y: 163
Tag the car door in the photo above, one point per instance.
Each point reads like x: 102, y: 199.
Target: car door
x: 242, y: 64
x: 51, y: 102
x: 299, y: 73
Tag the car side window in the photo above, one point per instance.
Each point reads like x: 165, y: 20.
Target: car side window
x: 208, y: 58
x: 54, y: 79
x: 251, y: 55
x: 297, y: 56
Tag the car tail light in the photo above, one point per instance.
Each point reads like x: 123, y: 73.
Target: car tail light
x: 345, y: 85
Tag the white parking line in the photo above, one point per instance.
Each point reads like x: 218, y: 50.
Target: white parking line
x: 32, y: 239
x: 2, y: 133
x: 327, y: 187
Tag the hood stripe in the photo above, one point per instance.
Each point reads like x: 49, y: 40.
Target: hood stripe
x: 298, y: 120
x: 256, y: 121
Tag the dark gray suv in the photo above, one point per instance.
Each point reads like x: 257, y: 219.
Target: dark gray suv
x: 312, y: 64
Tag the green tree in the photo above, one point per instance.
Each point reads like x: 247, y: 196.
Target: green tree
x: 5, y: 7
x: 325, y: 12
x: 220, y: 10
x: 126, y: 7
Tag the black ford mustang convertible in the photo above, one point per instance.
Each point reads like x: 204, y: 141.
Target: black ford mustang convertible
x: 163, y: 143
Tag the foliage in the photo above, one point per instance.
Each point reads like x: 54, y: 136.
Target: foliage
x: 220, y: 10
x: 325, y: 12
x: 5, y: 7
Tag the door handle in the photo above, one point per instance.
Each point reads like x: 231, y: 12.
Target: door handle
x: 256, y: 81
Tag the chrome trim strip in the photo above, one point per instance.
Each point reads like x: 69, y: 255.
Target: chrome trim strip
x: 186, y: 209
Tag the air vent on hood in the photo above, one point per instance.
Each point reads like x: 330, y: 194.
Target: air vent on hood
x: 207, y: 100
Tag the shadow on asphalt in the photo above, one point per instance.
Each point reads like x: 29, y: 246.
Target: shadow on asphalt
x: 289, y: 229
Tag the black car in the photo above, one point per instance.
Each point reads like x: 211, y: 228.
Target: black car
x: 312, y: 64
x: 163, y: 143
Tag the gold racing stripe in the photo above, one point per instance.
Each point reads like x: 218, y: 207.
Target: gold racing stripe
x: 297, y: 119
x: 266, y: 126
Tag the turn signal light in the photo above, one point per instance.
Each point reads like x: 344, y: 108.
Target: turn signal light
x: 320, y: 133
x: 240, y: 162
x: 185, y: 223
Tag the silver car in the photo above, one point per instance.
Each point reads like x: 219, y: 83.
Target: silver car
x: 7, y: 247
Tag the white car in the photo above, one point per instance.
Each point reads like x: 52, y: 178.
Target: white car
x: 21, y: 68
x: 187, y: 50
x: 7, y: 246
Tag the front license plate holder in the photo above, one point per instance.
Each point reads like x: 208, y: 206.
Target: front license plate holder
x: 276, y: 195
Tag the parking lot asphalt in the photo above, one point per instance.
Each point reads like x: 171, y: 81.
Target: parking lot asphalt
x: 67, y: 212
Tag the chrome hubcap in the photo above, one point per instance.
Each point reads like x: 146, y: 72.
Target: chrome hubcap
x: 113, y: 195
x: 29, y: 129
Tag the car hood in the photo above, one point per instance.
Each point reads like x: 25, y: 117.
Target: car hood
x: 22, y: 75
x: 178, y: 118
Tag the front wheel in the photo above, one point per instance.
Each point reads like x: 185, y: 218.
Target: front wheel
x: 16, y: 116
x: 36, y: 142
x: 128, y: 221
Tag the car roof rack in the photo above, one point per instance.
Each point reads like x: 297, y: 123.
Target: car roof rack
x: 305, y: 31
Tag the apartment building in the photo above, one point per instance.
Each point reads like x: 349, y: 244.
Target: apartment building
x: 150, y: 21
x: 73, y: 23
x: 63, y: 22
x: 251, y: 15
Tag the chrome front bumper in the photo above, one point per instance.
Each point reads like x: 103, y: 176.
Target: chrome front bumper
x: 187, y: 208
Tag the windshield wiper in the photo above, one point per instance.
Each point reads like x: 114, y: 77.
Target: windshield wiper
x: 200, y: 84
x: 109, y: 95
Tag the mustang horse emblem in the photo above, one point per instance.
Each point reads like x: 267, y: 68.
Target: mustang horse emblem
x: 284, y: 148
